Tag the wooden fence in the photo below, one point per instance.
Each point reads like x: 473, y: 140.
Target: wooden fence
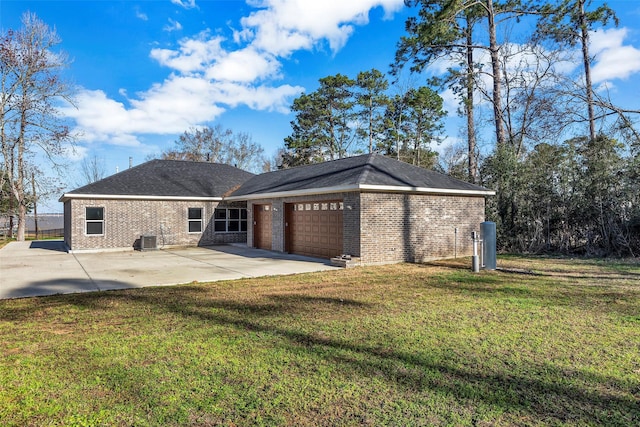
x: 45, y: 234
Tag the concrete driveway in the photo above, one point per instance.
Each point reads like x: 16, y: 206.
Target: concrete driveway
x: 41, y: 268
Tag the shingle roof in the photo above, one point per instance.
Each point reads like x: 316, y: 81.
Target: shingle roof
x: 352, y: 173
x: 168, y: 178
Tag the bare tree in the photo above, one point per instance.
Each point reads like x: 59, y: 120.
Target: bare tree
x: 205, y: 144
x: 218, y: 145
x: 30, y: 89
x: 532, y: 112
x: 246, y: 154
x: 91, y: 170
x: 567, y: 23
x: 453, y: 160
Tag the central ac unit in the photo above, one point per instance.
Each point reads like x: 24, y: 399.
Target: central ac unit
x: 148, y: 243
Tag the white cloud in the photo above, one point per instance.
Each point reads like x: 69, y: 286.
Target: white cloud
x: 606, y: 39
x: 173, y: 106
x: 170, y: 107
x: 141, y: 15
x: 447, y: 146
x: 246, y: 65
x: 187, y: 4
x: 613, y: 59
x: 606, y: 88
x: 451, y: 101
x: 271, y: 37
x: 193, y: 55
x: 172, y: 26
x: 258, y: 98
x: 74, y: 153
x: 277, y: 29
x: 208, y: 76
x: 283, y: 26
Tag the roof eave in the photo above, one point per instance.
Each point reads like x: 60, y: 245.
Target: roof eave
x: 363, y: 187
x: 426, y: 190
x: 71, y: 196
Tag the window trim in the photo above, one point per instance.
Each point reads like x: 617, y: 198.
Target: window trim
x: 241, y: 218
x: 93, y: 221
x: 195, y: 220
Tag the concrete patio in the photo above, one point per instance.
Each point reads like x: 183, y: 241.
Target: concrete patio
x: 40, y: 268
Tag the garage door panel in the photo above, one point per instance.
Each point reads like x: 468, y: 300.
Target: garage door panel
x: 315, y: 229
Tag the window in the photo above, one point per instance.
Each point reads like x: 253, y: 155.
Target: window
x: 195, y: 220
x: 94, y: 219
x: 230, y: 220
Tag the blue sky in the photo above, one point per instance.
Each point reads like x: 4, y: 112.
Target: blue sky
x: 148, y: 70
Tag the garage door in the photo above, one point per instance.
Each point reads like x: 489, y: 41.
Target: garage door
x: 315, y: 228
x: 262, y: 219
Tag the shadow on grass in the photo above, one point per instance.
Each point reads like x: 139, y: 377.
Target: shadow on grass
x: 543, y: 391
x: 611, y: 269
x: 296, y: 299
x: 61, y: 286
x: 615, y: 292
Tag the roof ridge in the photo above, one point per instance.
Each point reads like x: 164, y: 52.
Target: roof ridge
x: 188, y: 161
x: 366, y: 169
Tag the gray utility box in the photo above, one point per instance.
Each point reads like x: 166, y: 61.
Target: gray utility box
x: 488, y: 236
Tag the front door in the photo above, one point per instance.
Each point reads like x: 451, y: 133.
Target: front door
x: 262, y: 221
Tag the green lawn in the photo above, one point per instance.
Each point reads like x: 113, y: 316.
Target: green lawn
x: 547, y: 341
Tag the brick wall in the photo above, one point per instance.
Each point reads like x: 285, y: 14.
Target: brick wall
x: 351, y: 223
x: 67, y: 224
x: 278, y: 225
x: 393, y: 227
x: 126, y: 220
x: 415, y: 228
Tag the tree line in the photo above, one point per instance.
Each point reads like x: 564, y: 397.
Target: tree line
x: 344, y: 116
x: 561, y: 156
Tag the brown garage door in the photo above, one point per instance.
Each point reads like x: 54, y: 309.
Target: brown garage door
x: 262, y: 226
x: 314, y: 228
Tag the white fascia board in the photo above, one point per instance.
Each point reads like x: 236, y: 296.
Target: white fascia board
x: 445, y: 191
x: 294, y: 193
x: 71, y: 196
x: 363, y: 187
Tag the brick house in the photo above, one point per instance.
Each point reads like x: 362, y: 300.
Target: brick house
x: 373, y: 208
x: 179, y: 203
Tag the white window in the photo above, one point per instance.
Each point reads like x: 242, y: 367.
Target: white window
x: 195, y: 220
x: 94, y: 221
x: 230, y: 220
